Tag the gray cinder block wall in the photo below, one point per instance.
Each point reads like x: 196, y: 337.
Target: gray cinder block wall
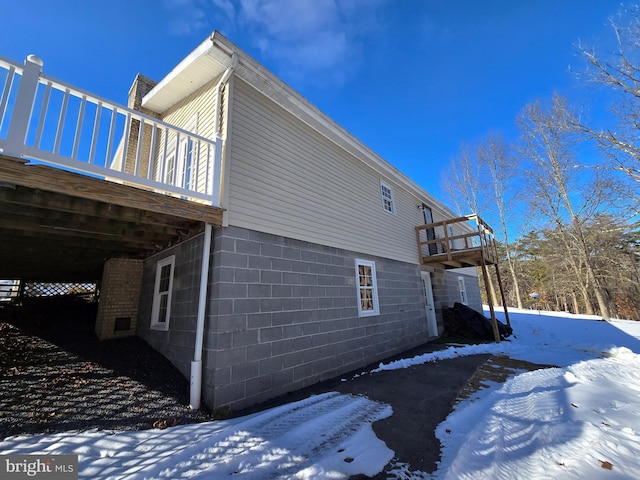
x: 177, y: 344
x: 446, y: 292
x: 282, y: 314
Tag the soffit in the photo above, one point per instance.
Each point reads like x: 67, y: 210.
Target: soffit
x: 200, y: 67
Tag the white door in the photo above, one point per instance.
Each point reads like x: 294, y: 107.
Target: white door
x: 432, y: 326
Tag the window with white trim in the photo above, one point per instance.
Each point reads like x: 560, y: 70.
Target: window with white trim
x: 388, y: 197
x: 452, y: 243
x: 367, y: 288
x: 186, y: 155
x: 161, y: 309
x: 463, y: 291
x: 170, y: 169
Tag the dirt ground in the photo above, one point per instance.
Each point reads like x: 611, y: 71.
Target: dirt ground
x: 56, y: 376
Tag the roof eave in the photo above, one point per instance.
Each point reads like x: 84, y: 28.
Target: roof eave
x: 202, y: 65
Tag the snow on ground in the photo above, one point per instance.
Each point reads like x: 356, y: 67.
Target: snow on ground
x: 578, y: 420
x: 307, y: 439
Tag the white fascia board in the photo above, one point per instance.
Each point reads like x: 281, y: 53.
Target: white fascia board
x: 194, y: 71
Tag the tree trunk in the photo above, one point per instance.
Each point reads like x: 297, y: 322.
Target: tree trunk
x: 516, y: 285
x: 574, y: 300
x: 492, y: 290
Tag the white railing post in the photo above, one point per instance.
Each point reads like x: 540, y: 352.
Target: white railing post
x: 217, y: 171
x: 23, y: 107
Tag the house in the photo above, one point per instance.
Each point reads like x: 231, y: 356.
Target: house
x: 258, y: 245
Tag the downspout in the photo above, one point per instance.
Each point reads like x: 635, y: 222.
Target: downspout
x: 195, y: 391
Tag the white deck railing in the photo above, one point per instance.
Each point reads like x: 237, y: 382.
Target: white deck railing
x: 54, y: 123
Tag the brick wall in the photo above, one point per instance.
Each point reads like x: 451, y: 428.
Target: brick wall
x: 119, y: 298
x: 141, y: 86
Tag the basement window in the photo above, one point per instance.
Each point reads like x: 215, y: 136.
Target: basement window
x: 161, y: 309
x: 367, y: 288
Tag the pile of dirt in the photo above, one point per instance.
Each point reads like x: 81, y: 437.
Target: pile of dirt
x: 463, y: 322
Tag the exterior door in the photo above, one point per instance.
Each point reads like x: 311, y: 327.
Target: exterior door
x: 432, y: 326
x: 431, y: 233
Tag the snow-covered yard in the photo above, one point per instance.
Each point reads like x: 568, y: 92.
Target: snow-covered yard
x: 580, y: 420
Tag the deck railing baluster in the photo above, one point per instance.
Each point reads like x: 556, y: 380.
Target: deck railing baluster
x: 43, y: 114
x: 5, y: 93
x: 76, y: 139
x: 61, y: 118
x: 152, y: 152
x: 96, y: 129
x: 67, y: 150
x: 112, y: 128
x: 139, y: 147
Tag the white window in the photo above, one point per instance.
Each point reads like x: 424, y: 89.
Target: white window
x: 367, y: 288
x: 463, y: 291
x: 187, y: 153
x: 162, y: 294
x: 388, y: 200
x: 170, y: 169
x: 452, y: 243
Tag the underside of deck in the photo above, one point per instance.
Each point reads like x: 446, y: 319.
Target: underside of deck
x: 57, y: 225
x: 473, y: 257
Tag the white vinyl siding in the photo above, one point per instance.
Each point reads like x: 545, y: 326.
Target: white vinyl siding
x: 196, y: 114
x: 367, y: 288
x: 161, y: 309
x: 286, y: 179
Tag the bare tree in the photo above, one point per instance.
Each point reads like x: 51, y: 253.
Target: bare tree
x: 466, y: 189
x: 550, y: 140
x: 619, y: 72
x: 494, y: 155
x: 463, y: 183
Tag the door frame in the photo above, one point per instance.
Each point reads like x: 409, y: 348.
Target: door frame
x: 427, y: 215
x: 429, y: 304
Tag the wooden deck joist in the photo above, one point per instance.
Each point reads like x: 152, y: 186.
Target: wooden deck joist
x: 458, y: 259
x: 57, y: 225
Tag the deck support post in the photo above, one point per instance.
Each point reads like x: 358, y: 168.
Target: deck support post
x: 494, y: 321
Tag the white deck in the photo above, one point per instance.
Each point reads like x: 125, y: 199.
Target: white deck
x: 49, y: 121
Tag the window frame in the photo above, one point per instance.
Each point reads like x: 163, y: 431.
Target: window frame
x: 388, y: 202
x: 187, y: 156
x: 156, y: 322
x: 171, y: 166
x: 375, y: 310
x: 462, y: 290
x: 451, y: 232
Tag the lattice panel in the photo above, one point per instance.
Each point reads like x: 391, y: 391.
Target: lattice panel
x: 59, y: 289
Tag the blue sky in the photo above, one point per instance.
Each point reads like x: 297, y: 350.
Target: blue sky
x: 412, y: 79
